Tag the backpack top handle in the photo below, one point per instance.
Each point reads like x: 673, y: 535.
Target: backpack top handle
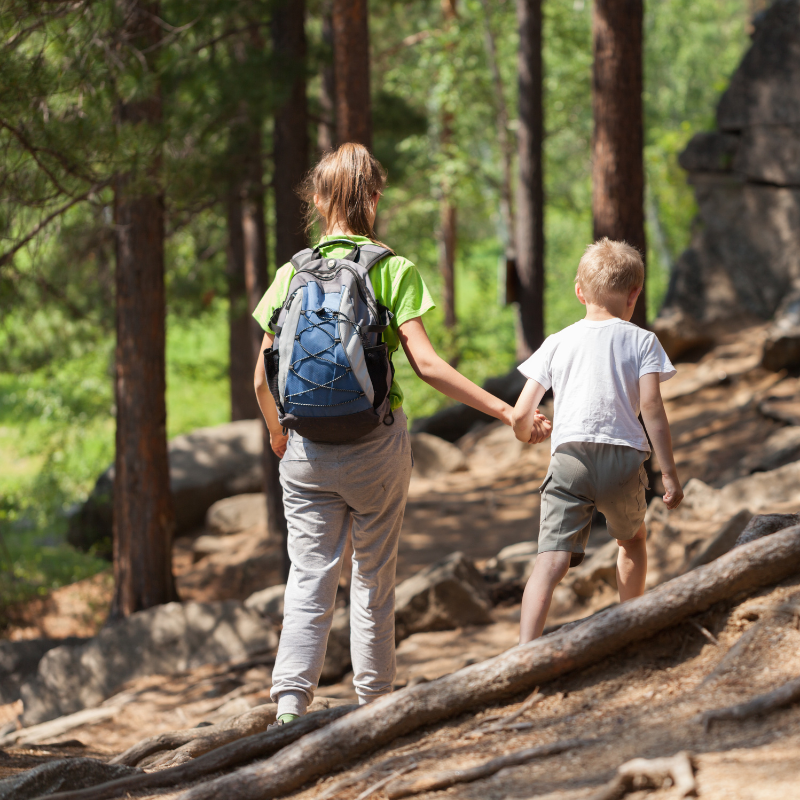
x: 316, y: 253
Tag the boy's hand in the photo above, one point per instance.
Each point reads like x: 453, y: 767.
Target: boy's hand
x: 541, y: 428
x: 674, y: 492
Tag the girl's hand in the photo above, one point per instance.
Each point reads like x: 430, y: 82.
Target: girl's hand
x: 541, y: 429
x: 278, y: 441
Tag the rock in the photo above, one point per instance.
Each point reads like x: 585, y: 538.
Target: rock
x: 452, y: 423
x: 337, y: 656
x: 161, y: 640
x: 781, y: 447
x: 236, y: 514
x: 66, y: 774
x: 782, y: 347
x: 18, y: 661
x: 710, y: 151
x: 723, y: 540
x: 514, y: 562
x: 745, y: 255
x: 434, y: 456
x: 206, y: 465
x: 448, y: 594
x: 601, y: 566
x: 766, y: 524
x: 680, y: 334
x: 763, y: 490
x: 268, y: 602
x: 781, y: 409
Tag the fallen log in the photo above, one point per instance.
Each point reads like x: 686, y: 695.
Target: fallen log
x: 51, y: 777
x: 447, y: 778
x: 652, y: 773
x: 778, y: 698
x: 261, y: 745
x: 745, y: 569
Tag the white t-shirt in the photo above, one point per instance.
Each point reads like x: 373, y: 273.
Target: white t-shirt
x: 594, y: 370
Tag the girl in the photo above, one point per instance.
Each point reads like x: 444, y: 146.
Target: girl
x: 330, y: 490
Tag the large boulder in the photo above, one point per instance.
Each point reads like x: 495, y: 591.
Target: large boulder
x: 242, y: 512
x: 19, y: 660
x: 446, y: 595
x: 745, y: 256
x: 205, y: 466
x: 161, y: 640
x: 268, y: 602
x: 434, y: 456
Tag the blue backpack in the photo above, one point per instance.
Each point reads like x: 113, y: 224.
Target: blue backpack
x: 329, y: 369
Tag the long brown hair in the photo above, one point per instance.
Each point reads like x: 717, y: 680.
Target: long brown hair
x: 346, y: 179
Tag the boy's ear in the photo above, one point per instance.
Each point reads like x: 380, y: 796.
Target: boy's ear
x: 633, y: 296
x: 579, y: 293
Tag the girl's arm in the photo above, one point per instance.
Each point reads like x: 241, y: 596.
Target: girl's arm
x: 277, y: 438
x: 436, y: 372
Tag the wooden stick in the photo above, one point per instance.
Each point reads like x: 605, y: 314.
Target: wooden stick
x: 763, y: 704
x: 370, y: 790
x: 261, y: 745
x: 707, y: 633
x: 653, y: 772
x: 442, y: 780
x: 745, y: 569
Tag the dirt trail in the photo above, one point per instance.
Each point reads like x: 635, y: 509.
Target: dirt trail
x: 640, y: 703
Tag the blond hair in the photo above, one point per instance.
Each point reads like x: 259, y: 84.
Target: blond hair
x: 346, y: 179
x: 609, y: 268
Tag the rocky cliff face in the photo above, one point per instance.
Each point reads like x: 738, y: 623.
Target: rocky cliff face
x: 745, y: 255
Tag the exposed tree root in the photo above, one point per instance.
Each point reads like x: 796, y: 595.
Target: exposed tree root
x: 261, y: 745
x: 643, y: 773
x: 253, y: 721
x: 763, y: 704
x: 442, y: 780
x: 498, y: 723
x: 747, y: 568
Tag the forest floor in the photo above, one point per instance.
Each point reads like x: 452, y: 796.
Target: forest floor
x: 640, y: 702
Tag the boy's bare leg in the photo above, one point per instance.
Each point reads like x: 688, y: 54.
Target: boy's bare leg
x: 548, y: 570
x: 632, y: 565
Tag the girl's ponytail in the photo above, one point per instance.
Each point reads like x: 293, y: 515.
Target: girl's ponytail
x: 346, y: 179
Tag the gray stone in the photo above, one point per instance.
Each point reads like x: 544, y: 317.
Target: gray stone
x: 66, y: 774
x: 514, y: 562
x: 268, y: 602
x: 765, y: 89
x: 600, y: 567
x: 337, y: 657
x: 769, y: 153
x: 18, y: 661
x: 434, y: 456
x: 723, y: 540
x: 446, y: 595
x: 780, y: 448
x: 205, y: 466
x: 161, y: 640
x: 710, y: 151
x: 765, y: 525
x: 236, y: 514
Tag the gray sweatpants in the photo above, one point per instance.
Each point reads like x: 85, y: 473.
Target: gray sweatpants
x: 328, y: 491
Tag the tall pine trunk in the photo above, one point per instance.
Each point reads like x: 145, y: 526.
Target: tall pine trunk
x: 530, y: 193
x: 291, y: 146
x: 618, y: 141
x: 326, y: 130
x: 351, y: 72
x: 144, y: 518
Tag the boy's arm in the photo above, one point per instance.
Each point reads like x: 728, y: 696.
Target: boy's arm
x: 655, y: 420
x: 528, y: 425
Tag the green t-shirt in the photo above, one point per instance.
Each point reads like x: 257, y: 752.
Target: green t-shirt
x: 397, y: 284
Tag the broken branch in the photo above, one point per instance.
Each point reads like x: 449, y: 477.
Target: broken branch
x: 763, y: 704
x: 642, y: 773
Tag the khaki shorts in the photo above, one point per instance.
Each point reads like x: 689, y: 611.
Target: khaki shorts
x: 588, y: 475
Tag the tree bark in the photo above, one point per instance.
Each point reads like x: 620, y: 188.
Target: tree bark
x: 447, y: 258
x: 618, y: 141
x: 326, y: 129
x: 530, y: 192
x: 351, y: 71
x: 144, y: 517
x: 745, y: 569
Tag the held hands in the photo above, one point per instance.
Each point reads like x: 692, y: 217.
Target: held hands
x: 278, y: 441
x: 541, y: 429
x: 674, y: 492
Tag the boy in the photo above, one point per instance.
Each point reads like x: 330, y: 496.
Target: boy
x: 603, y: 370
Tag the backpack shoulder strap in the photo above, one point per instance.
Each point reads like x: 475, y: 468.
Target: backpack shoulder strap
x: 371, y: 254
x: 299, y: 260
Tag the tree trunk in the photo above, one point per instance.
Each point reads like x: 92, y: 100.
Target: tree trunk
x: 530, y: 193
x: 617, y: 147
x: 240, y: 370
x: 326, y: 129
x: 144, y: 517
x: 351, y: 70
x: 291, y: 144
